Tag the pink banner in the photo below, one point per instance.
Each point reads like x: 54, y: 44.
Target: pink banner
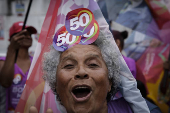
x: 151, y: 62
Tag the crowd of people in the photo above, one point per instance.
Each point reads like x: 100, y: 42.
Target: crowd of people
x: 75, y: 75
x: 84, y: 78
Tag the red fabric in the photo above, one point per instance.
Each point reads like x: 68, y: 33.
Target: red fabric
x: 17, y: 27
x: 159, y: 12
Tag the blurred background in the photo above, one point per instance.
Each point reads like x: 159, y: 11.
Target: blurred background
x: 148, y: 40
x: 15, y: 10
x: 148, y: 43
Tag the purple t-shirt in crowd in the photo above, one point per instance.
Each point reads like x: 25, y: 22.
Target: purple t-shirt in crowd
x: 131, y: 65
x: 119, y: 106
x: 15, y: 90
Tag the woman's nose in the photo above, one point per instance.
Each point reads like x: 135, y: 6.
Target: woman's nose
x: 81, y: 73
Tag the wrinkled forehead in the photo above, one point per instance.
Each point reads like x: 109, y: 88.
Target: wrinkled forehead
x: 79, y: 50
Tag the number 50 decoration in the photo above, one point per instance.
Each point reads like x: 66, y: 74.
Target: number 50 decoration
x: 64, y: 40
x: 79, y: 21
x: 80, y: 28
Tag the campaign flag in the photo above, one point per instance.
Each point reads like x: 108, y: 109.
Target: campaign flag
x: 34, y: 91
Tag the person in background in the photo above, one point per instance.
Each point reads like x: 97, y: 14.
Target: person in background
x: 133, y: 67
x: 135, y: 70
x: 13, y: 75
x: 119, y: 39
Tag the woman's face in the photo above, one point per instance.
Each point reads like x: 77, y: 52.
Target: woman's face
x: 82, y: 80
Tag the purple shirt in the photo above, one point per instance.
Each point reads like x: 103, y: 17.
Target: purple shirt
x: 131, y: 65
x: 15, y: 90
x: 118, y: 106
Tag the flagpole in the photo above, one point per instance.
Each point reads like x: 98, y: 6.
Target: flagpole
x: 23, y: 27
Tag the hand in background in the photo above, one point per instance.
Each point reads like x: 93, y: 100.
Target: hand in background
x: 18, y: 39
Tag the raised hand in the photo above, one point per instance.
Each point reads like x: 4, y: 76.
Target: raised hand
x: 19, y: 39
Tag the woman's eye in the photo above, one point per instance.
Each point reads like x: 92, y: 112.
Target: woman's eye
x: 69, y: 66
x: 93, y: 65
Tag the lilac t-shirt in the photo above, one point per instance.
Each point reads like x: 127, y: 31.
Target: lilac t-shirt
x: 15, y: 90
x: 131, y: 65
x: 118, y: 106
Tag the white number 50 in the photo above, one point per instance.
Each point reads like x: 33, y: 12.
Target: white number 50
x: 76, y: 22
x: 65, y: 38
x: 61, y: 38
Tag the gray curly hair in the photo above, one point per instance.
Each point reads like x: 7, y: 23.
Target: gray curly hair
x: 110, y: 56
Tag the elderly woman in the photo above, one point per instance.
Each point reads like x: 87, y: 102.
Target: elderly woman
x: 85, y: 78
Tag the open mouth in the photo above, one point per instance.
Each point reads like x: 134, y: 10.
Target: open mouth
x: 81, y: 92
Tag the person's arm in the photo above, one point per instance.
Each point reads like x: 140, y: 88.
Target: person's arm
x: 7, y: 67
x: 7, y: 70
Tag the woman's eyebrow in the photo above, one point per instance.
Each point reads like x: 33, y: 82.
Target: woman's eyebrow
x: 92, y: 56
x: 70, y: 56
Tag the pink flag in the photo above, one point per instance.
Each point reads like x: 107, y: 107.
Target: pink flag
x: 35, y: 94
